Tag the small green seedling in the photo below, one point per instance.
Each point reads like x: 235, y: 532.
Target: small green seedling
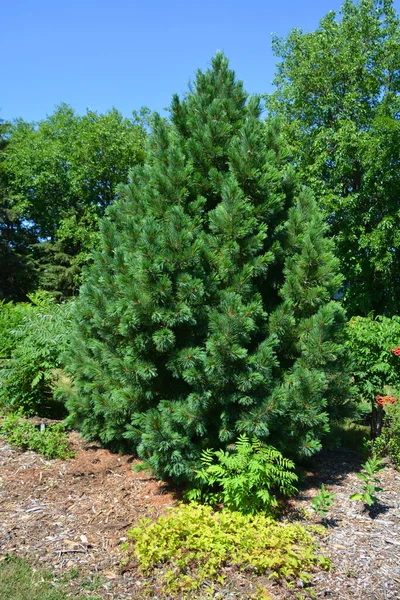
x: 371, y: 481
x: 322, y: 501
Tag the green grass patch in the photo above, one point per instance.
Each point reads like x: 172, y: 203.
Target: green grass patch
x: 20, y: 581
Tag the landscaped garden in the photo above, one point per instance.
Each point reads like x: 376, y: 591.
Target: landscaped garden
x: 200, y: 378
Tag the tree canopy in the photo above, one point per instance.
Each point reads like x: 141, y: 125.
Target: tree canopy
x: 61, y: 175
x: 17, y: 268
x: 338, y: 98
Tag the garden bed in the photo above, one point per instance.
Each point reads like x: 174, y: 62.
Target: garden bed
x: 72, y: 516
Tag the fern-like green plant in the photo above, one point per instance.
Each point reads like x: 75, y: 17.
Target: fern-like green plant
x: 245, y: 479
x: 30, y: 361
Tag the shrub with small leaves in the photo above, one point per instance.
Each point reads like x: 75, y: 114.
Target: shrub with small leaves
x: 194, y: 543
x: 52, y: 442
x: 245, y: 478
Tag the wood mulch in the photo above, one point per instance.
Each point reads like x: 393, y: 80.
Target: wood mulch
x: 75, y: 514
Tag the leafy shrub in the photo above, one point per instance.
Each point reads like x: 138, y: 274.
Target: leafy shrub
x: 196, y: 543
x: 39, y: 334
x: 52, y: 442
x: 11, y: 316
x: 375, y: 367
x: 388, y: 443
x: 245, y: 478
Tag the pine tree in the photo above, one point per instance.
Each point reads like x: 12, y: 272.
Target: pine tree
x: 208, y: 310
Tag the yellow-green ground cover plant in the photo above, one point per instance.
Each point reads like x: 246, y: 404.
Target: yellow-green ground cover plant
x: 193, y: 543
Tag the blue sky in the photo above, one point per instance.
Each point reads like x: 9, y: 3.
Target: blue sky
x: 98, y: 54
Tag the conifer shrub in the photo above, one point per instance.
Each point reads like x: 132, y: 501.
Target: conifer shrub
x: 208, y: 311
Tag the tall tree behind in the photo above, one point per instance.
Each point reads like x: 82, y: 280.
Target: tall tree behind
x: 338, y: 96
x: 63, y: 173
x: 17, y: 267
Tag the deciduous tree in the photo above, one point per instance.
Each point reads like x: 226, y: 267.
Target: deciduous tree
x: 17, y: 267
x: 338, y: 97
x: 62, y: 174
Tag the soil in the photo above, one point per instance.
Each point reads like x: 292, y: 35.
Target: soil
x: 72, y: 517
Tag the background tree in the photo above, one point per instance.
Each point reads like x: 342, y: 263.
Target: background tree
x: 62, y: 174
x: 17, y: 267
x: 338, y: 97
x: 208, y: 310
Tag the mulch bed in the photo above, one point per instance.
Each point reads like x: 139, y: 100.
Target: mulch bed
x: 75, y: 514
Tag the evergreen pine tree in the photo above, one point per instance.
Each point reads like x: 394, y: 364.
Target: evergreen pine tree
x: 208, y: 310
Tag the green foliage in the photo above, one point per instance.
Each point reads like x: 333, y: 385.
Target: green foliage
x: 60, y: 175
x: 208, y: 312
x: 388, y: 443
x: 17, y: 269
x: 66, y: 159
x: 374, y: 366
x: 371, y: 483
x: 246, y: 478
x: 11, y: 317
x: 348, y: 435
x: 323, y: 501
x: 34, y: 336
x: 338, y: 98
x: 193, y: 543
x: 52, y: 442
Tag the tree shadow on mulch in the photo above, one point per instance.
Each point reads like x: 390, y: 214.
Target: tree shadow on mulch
x: 329, y: 467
